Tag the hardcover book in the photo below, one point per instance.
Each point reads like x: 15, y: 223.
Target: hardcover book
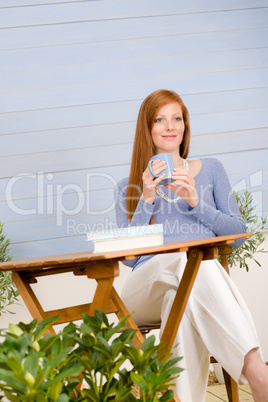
x: 127, y: 238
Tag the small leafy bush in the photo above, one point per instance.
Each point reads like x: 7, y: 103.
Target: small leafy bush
x: 39, y: 367
x: 8, y: 291
x: 255, y: 225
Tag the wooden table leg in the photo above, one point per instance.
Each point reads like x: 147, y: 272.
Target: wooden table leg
x: 193, y: 263
x: 178, y: 307
x: 101, y: 295
x: 122, y: 311
x: 104, y: 273
x: 29, y: 298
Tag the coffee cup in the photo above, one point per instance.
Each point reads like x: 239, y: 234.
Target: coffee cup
x: 167, y: 158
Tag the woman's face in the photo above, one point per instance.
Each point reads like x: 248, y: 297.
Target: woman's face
x: 168, y: 128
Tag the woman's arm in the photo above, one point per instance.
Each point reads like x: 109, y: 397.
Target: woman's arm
x: 143, y: 212
x: 225, y: 218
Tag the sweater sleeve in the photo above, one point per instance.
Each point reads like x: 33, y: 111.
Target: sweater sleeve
x: 143, y: 212
x: 225, y: 217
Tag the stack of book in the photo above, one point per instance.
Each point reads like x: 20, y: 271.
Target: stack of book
x: 127, y: 238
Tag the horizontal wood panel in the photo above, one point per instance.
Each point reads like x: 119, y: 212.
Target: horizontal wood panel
x: 55, y: 246
x: 77, y: 226
x: 220, y: 143
x: 126, y: 6
x: 72, y: 116
x: 153, y: 68
x: 49, y: 247
x: 21, y: 3
x: 38, y: 230
x: 265, y: 203
x: 53, y: 207
x: 127, y: 111
x: 74, y: 75
x: 77, y: 199
x: 122, y: 29
x: 247, y: 162
x: 242, y: 180
x: 123, y: 133
x: 42, y: 229
x: 97, y: 10
x: 43, y: 248
x: 98, y: 179
x: 66, y: 160
x: 134, y: 89
x: 40, y: 184
x: 56, y: 202
x: 230, y: 121
x: 75, y: 138
x: 98, y: 156
x: 131, y: 50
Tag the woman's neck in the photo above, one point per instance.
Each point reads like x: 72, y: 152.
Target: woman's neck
x: 178, y: 161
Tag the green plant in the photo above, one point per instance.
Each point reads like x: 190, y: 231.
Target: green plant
x: 255, y: 225
x: 33, y: 368
x: 41, y: 368
x: 8, y: 291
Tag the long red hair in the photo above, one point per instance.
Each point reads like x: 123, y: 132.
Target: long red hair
x: 144, y: 149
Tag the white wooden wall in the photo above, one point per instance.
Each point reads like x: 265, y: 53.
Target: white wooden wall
x: 73, y: 75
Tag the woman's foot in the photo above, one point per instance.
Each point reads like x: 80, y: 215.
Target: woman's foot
x: 256, y: 372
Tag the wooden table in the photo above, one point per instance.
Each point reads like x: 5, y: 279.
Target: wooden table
x: 104, y: 268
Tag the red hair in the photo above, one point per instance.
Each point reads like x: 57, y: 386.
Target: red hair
x: 144, y: 149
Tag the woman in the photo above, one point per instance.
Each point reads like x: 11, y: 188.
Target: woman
x: 198, y: 203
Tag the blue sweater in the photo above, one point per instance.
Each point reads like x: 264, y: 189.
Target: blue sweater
x: 216, y: 213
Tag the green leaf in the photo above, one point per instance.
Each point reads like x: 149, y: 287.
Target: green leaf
x: 167, y: 396
x: 120, y: 325
x: 148, y: 342
x: 86, y: 329
x: 28, y: 328
x: 73, y: 371
x: 43, y: 326
x: 89, y: 395
x: 101, y: 316
x: 56, y: 360
x: 7, y: 378
x: 55, y: 390
x: 242, y: 255
x: 31, y: 363
x: 56, y: 347
x: 47, y: 342
x: 40, y: 378
x: 127, y: 335
x: 15, y: 330
x: 14, y: 364
x: 63, y: 398
x: 11, y: 397
x: 139, y: 380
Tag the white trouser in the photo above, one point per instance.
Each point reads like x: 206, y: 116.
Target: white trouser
x: 216, y: 319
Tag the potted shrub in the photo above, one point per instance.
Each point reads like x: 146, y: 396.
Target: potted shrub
x: 8, y: 291
x: 255, y: 225
x: 34, y: 367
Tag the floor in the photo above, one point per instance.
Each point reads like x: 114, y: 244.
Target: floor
x: 217, y: 393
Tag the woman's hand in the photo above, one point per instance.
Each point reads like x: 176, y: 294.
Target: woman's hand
x: 184, y: 186
x: 150, y: 183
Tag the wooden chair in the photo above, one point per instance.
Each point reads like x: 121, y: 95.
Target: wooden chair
x: 230, y: 384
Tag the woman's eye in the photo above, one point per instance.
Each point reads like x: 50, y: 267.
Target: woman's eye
x: 158, y: 120
x: 178, y: 118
